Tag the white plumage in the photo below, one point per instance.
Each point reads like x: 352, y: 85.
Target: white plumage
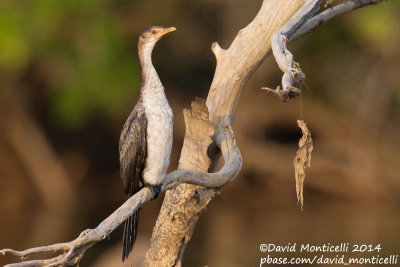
x: 159, y: 133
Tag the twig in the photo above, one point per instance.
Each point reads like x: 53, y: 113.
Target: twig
x: 290, y: 68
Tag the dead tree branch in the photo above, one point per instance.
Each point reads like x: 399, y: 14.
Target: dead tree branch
x: 284, y: 59
x: 71, y: 252
x: 330, y: 13
x: 300, y: 24
x: 208, y: 133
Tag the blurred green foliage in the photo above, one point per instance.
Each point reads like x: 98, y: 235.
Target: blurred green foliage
x: 82, y: 50
x: 377, y: 26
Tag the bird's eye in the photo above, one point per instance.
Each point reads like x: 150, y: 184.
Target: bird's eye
x: 153, y: 31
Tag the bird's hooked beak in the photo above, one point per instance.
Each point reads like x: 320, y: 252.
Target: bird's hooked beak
x: 163, y: 32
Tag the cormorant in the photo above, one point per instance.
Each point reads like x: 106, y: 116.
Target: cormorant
x: 146, y: 138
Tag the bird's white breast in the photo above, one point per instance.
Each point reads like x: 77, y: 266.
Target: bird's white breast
x: 159, y: 135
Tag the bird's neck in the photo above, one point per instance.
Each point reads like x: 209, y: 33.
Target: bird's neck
x: 150, y: 79
x: 145, y: 51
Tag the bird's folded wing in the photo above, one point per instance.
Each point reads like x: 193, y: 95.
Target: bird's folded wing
x: 132, y: 149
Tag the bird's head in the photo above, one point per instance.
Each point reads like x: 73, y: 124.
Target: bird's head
x: 154, y: 33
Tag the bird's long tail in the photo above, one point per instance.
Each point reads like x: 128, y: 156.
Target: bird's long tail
x: 130, y: 233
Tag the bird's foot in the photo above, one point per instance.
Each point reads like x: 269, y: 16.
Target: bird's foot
x: 156, y: 190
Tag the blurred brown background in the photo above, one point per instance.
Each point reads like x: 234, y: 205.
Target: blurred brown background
x: 69, y: 77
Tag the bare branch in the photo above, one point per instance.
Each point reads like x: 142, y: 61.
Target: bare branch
x: 330, y: 13
x: 72, y: 252
x: 300, y: 24
x: 233, y: 164
x: 290, y: 68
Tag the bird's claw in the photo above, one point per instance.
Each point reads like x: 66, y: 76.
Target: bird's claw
x: 156, y: 190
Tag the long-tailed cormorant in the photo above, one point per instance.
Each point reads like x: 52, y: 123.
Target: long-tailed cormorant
x: 146, y: 138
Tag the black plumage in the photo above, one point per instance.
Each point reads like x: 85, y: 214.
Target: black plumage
x: 132, y: 151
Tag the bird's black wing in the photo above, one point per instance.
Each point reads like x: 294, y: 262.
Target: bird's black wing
x: 132, y: 149
x: 132, y: 157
